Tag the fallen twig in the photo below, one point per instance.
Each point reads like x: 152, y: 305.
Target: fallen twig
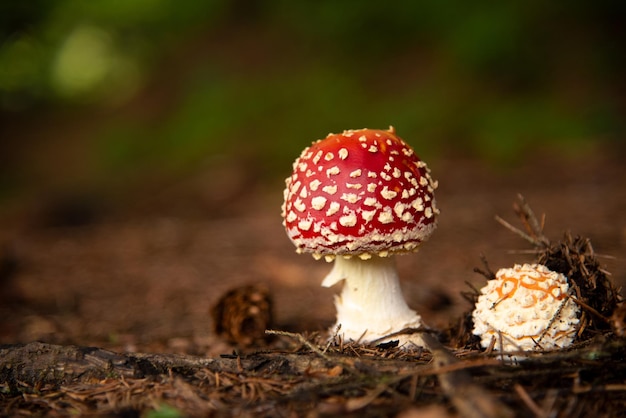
x: 470, y: 399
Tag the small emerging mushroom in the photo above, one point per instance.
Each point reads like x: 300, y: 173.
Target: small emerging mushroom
x: 526, y: 308
x: 358, y: 198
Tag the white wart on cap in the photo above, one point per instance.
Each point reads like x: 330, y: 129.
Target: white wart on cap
x: 361, y: 192
x: 526, y: 308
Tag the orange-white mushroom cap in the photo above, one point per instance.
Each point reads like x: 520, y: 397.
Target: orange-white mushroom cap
x: 526, y: 308
x: 361, y: 192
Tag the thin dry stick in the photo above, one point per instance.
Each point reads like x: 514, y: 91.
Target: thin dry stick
x: 488, y: 273
x: 528, y: 401
x: 354, y: 404
x: 591, y: 310
x: 455, y: 367
x: 517, y: 231
x: 333, y: 338
x: 534, y: 227
x: 300, y: 338
x: 469, y: 398
x: 554, y: 318
x: 610, y: 387
x: 525, y: 212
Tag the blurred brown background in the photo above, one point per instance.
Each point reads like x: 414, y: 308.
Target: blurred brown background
x: 143, y: 147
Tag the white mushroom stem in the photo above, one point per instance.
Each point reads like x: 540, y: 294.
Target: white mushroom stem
x: 371, y: 305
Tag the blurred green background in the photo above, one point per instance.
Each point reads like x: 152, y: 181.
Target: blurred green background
x: 104, y: 93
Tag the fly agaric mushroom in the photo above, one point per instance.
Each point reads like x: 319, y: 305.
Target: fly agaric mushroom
x: 358, y: 198
x: 526, y: 308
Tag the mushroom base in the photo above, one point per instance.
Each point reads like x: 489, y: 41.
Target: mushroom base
x: 371, y: 306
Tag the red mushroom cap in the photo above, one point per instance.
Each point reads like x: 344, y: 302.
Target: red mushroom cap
x: 361, y: 192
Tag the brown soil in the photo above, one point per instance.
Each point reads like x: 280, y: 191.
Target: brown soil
x: 142, y: 274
